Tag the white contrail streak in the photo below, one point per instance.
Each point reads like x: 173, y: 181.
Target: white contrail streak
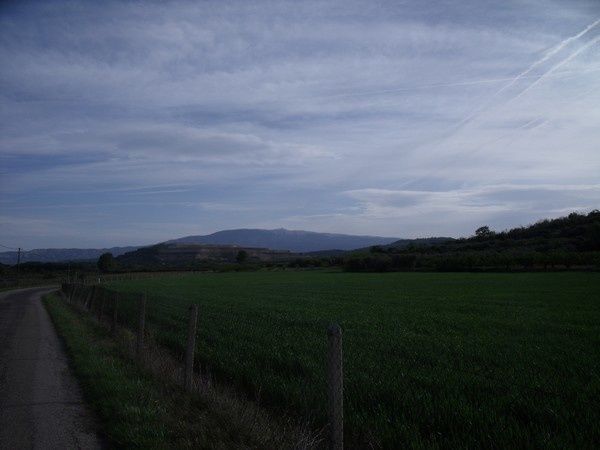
x: 553, y: 51
x: 442, y: 85
x: 559, y: 65
x: 525, y: 74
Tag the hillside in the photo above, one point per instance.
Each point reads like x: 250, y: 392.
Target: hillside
x: 282, y: 239
x: 403, y: 243
x: 560, y: 241
x: 62, y: 254
x: 190, y: 256
x: 563, y: 243
x: 573, y: 233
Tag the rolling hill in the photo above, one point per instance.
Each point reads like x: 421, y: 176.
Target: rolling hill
x: 572, y: 233
x: 550, y: 244
x: 62, y: 254
x: 282, y: 239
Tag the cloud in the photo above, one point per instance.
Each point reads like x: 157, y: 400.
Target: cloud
x: 277, y: 107
x: 484, y: 200
x: 549, y: 54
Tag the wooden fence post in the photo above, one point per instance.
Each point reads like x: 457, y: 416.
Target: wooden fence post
x: 102, y: 301
x: 90, y: 300
x: 113, y: 325
x: 141, y: 326
x: 190, y: 348
x: 93, y: 297
x: 335, y: 388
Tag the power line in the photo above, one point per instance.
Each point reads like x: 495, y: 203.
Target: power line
x: 10, y: 248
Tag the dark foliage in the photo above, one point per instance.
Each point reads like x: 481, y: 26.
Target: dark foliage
x: 242, y: 256
x: 559, y: 244
x: 106, y: 263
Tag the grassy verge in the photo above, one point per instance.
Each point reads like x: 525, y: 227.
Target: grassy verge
x: 137, y: 410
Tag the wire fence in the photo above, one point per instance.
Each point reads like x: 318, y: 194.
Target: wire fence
x: 201, y: 339
x: 295, y: 364
x: 91, y: 278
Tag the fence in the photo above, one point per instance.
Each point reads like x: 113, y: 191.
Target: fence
x: 133, y: 311
x: 89, y: 279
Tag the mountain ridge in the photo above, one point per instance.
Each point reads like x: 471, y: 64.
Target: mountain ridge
x: 299, y: 241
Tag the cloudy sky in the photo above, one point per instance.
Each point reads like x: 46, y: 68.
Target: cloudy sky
x: 135, y: 122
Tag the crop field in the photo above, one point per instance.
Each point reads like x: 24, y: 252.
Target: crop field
x: 430, y: 359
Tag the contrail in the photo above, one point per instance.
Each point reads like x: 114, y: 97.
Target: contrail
x: 560, y: 64
x: 442, y: 85
x: 511, y: 80
x: 525, y: 74
x: 553, y: 51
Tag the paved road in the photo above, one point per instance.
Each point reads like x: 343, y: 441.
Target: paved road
x: 41, y: 405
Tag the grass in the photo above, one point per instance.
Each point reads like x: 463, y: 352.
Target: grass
x: 139, y: 410
x: 431, y: 360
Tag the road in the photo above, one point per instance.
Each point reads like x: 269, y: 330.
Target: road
x: 41, y: 404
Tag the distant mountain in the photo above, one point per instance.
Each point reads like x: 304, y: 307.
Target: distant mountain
x: 282, y: 239
x: 62, y: 254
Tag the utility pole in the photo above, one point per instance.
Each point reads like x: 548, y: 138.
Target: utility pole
x: 18, y: 265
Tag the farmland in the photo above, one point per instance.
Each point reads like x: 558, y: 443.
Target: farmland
x: 431, y: 359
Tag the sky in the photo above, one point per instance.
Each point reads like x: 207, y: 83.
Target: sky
x: 129, y: 123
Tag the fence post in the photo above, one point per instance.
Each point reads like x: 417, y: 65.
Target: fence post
x: 113, y: 325
x: 93, y: 298
x: 141, y: 326
x: 190, y: 349
x: 90, y: 300
x: 102, y: 301
x: 335, y: 388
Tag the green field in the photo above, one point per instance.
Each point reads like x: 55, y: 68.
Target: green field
x: 431, y: 359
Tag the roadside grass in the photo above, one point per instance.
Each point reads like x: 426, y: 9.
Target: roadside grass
x: 139, y: 410
x: 436, y: 360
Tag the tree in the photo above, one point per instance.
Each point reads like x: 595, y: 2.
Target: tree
x: 483, y: 232
x: 106, y: 262
x: 594, y: 237
x: 242, y: 256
